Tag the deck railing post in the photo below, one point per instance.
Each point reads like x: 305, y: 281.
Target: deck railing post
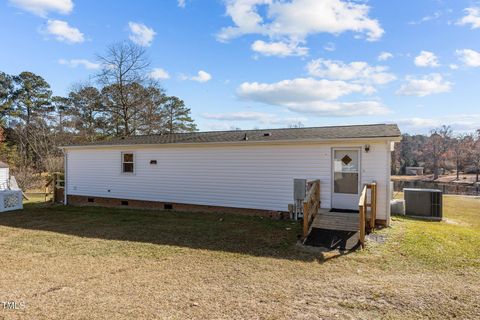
x: 373, y: 205
x: 362, y: 212
x: 305, y: 219
x: 362, y: 226
x: 311, y: 205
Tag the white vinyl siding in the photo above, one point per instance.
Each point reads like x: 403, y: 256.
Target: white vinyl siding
x: 257, y: 177
x: 376, y: 168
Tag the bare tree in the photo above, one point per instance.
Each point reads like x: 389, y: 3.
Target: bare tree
x: 475, y: 154
x: 152, y: 115
x: 436, y: 147
x: 459, y: 148
x: 297, y: 125
x: 43, y: 141
x: 124, y: 68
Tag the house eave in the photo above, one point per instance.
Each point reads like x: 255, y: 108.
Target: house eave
x: 236, y: 143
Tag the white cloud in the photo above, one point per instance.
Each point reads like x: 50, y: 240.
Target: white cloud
x: 141, y: 34
x: 358, y: 71
x: 297, y: 19
x: 312, y: 96
x: 43, y: 7
x: 469, y: 57
x: 63, y: 31
x: 384, y: 56
x: 424, y: 86
x: 426, y: 59
x: 458, y: 123
x: 330, y: 46
x: 340, y: 109
x: 202, y: 76
x: 74, y: 63
x: 181, y: 3
x: 453, y: 66
x: 261, y: 117
x: 417, y: 122
x: 471, y: 18
x: 436, y: 15
x: 159, y: 74
x: 238, y: 116
x: 280, y: 49
x: 298, y: 90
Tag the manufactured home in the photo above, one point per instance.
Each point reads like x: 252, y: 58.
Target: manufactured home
x: 242, y: 171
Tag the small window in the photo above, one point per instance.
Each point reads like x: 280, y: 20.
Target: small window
x: 127, y: 162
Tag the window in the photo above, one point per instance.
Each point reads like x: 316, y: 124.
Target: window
x: 346, y: 171
x: 127, y: 162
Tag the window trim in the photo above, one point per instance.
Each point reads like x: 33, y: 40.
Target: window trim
x: 122, y: 162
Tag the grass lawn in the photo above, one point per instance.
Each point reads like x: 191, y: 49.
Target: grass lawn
x: 97, y: 263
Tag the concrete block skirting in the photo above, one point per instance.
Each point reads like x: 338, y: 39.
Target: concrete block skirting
x: 158, y: 205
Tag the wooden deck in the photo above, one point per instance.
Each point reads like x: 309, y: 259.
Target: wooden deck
x: 322, y: 227
x: 344, y: 221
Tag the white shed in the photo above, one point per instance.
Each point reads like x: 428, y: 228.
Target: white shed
x: 248, y: 171
x: 4, y: 176
x: 9, y: 199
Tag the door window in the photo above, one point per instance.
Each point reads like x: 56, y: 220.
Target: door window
x: 346, y: 171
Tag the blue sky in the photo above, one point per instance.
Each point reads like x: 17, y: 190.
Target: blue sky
x: 269, y: 63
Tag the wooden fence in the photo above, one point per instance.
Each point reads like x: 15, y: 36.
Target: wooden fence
x: 311, y: 205
x: 368, y: 200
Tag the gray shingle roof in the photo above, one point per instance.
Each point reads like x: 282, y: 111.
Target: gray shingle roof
x: 3, y: 165
x: 313, y: 133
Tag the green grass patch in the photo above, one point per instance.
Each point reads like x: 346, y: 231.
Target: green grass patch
x: 452, y: 243
x: 146, y: 232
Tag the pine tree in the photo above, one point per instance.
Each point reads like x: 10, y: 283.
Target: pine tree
x: 177, y: 116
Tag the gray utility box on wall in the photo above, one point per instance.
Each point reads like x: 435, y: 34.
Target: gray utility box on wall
x: 299, y: 189
x: 425, y: 203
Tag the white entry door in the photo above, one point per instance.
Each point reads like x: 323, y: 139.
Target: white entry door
x: 346, y: 179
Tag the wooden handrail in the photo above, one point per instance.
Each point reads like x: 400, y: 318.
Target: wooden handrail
x: 49, y: 182
x: 311, y: 205
x: 363, y: 204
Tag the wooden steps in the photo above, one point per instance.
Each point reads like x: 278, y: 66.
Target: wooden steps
x: 334, y: 230
x: 344, y: 221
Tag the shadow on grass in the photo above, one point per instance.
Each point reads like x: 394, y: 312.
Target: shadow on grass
x: 211, y: 231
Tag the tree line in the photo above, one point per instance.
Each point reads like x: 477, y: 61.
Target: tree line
x: 440, y: 151
x: 121, y: 100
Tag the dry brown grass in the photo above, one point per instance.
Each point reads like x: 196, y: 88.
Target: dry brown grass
x: 93, y: 263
